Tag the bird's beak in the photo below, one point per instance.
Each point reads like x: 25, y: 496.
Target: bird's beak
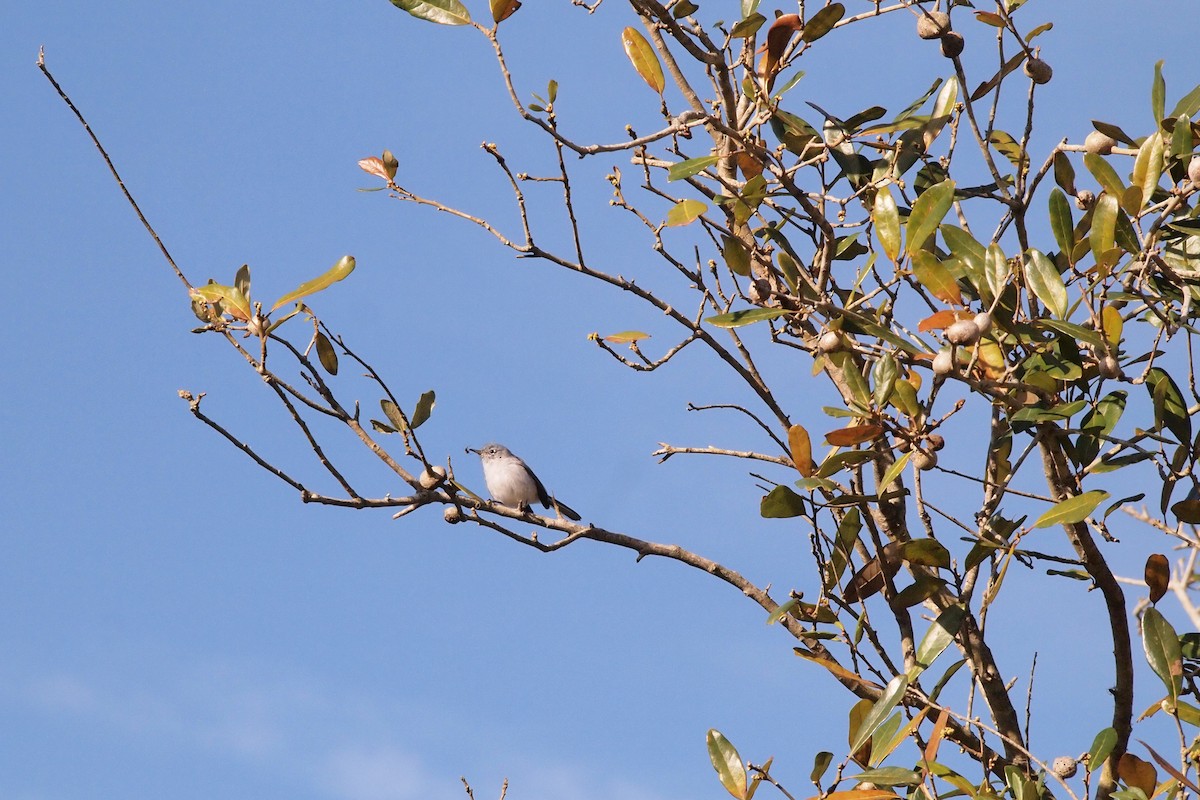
x: 471, y: 450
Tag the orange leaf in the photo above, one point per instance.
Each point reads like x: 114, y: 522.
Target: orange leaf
x: 855, y: 434
x: 778, y: 36
x: 941, y: 319
x: 801, y: 447
x: 1158, y: 575
x: 373, y: 165
x: 1137, y: 773
x: 749, y: 165
x: 503, y: 9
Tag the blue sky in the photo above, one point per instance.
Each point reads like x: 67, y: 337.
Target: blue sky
x: 177, y: 624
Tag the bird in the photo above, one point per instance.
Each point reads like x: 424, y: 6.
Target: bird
x: 512, y: 483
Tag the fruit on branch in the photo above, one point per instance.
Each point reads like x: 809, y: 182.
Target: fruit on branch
x: 1084, y: 200
x: 983, y: 321
x: 829, y: 342
x: 451, y: 514
x: 933, y: 24
x: 1038, y: 71
x: 943, y: 362
x: 432, y: 477
x: 936, y: 441
x: 924, y: 459
x: 1100, y: 144
x: 952, y: 44
x: 1108, y: 367
x: 963, y: 333
x: 1194, y: 170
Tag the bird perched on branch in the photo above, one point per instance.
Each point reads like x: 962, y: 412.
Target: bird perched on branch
x: 512, y: 483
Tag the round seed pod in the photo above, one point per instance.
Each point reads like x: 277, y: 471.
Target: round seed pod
x: 963, y: 333
x: 1098, y: 143
x: 1064, y: 767
x: 983, y: 321
x: 1108, y: 367
x: 451, y: 514
x: 924, y: 459
x: 829, y: 342
x: 432, y: 477
x: 933, y: 24
x: 1194, y: 170
x: 952, y: 44
x: 936, y: 441
x: 1084, y: 200
x: 943, y: 362
x: 1038, y: 71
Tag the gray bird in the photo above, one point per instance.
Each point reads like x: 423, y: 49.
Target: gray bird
x: 512, y: 483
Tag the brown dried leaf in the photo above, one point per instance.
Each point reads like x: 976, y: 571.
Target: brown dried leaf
x: 1136, y: 772
x: 1158, y: 575
x: 778, y: 36
x: 503, y: 9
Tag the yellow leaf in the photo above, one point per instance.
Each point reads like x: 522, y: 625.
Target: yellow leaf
x: 801, y: 447
x: 642, y: 56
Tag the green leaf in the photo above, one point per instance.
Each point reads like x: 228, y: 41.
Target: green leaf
x: 879, y: 712
x: 748, y: 26
x: 1188, y: 105
x: 890, y: 776
x: 1147, y: 169
x: 939, y: 636
x: 394, y: 414
x: 925, y: 552
x: 1181, y: 138
x: 1072, y: 510
x: 884, y: 375
x: 934, y: 276
x: 781, y: 503
x: 1104, y: 174
x: 1170, y: 410
x: 685, y: 212
x: 643, y: 58
x: 337, y: 272
x: 927, y: 213
x: 1102, y: 237
x: 1061, y: 222
x: 822, y: 22
x: 424, y: 407
x: 736, y: 319
x: 727, y: 763
x: 1161, y: 643
x: 1046, y: 284
x: 1158, y: 95
x: 821, y: 762
x: 1101, y: 749
x: 1064, y: 173
x: 693, y: 166
x: 897, y: 466
x: 736, y: 255
x: 443, y: 12
x: 887, y: 223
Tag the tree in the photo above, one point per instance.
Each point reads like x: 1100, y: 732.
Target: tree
x: 835, y: 245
